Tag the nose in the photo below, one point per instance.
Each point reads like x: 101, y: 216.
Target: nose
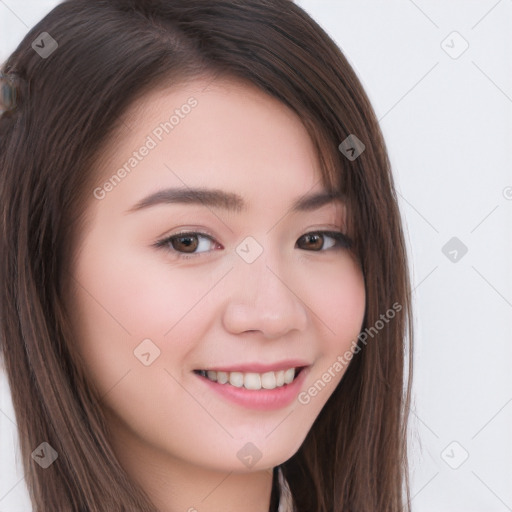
x: 265, y: 296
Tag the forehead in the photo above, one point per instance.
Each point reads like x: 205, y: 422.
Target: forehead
x: 225, y: 134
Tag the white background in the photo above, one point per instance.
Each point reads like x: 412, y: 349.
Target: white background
x: 447, y: 123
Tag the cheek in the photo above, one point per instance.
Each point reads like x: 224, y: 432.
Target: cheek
x: 123, y: 297
x: 131, y: 293
x: 338, y: 302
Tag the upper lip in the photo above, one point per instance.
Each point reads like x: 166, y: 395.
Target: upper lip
x: 258, y: 367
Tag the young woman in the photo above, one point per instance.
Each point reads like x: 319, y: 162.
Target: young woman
x: 204, y: 286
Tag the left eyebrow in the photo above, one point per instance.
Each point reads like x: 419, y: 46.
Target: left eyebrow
x: 230, y: 201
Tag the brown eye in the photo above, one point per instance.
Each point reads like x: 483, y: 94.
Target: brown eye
x: 188, y: 243
x: 184, y: 243
x: 316, y: 241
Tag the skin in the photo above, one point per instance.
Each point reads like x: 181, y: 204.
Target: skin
x: 177, y: 438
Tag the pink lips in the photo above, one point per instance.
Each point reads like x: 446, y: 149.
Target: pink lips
x: 262, y: 399
x: 259, y: 367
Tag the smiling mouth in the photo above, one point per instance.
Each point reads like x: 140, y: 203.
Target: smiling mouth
x: 252, y: 380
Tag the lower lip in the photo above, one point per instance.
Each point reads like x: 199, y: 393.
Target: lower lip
x: 261, y: 399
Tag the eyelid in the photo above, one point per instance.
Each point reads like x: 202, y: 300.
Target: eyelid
x: 163, y: 242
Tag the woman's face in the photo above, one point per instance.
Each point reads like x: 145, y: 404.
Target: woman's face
x: 246, y: 296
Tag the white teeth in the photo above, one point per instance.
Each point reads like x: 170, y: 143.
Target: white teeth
x: 268, y: 380
x: 251, y: 380
x: 236, y: 379
x: 222, y: 377
x: 289, y: 375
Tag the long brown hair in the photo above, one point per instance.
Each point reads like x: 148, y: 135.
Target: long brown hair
x: 109, y: 53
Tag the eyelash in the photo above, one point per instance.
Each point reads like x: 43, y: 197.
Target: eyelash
x: 342, y: 241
